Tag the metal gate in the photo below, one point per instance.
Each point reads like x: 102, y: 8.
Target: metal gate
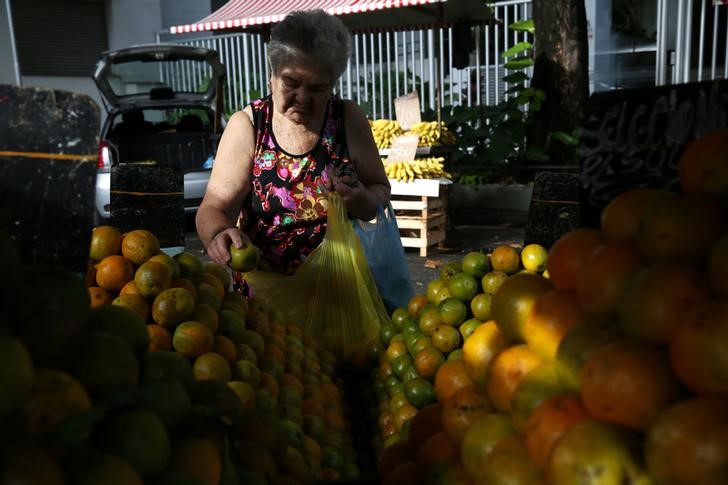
x: 692, y: 40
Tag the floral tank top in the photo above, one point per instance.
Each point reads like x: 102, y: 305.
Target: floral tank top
x: 285, y: 214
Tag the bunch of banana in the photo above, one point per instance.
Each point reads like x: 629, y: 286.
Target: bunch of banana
x: 432, y: 135
x: 422, y: 168
x: 384, y: 132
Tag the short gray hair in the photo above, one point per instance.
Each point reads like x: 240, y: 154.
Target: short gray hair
x: 312, y: 36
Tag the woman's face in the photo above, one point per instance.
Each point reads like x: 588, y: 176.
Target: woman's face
x: 301, y: 92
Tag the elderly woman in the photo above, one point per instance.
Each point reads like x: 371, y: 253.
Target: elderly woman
x: 278, y: 157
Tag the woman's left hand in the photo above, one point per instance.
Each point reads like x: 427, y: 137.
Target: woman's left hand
x: 354, y: 194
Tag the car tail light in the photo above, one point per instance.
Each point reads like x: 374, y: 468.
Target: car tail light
x: 104, y: 160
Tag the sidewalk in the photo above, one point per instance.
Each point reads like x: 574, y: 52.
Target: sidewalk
x: 460, y: 240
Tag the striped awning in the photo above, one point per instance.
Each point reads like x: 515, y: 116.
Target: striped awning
x: 241, y: 14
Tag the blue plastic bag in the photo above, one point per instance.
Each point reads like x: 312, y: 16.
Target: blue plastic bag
x: 385, y: 255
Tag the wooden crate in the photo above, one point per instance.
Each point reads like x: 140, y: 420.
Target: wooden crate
x: 421, y: 220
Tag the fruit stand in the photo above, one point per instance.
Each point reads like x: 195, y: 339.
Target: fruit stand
x: 420, y: 184
x: 598, y: 360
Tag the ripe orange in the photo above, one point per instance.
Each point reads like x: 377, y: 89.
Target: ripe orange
x: 139, y: 245
x: 54, y: 397
x: 225, y: 347
x: 507, y: 369
x: 192, y: 339
x: 215, y: 282
x: 553, y: 417
x: 462, y: 409
x: 426, y: 423
x: 446, y: 338
x: 608, y: 269
x: 569, y: 255
x: 505, y: 258
x: 186, y: 284
x: 402, y: 415
x: 680, y: 227
x: 169, y: 262
x: 99, y: 296
x: 429, y: 320
x: 113, y: 272
x: 160, y: 338
x: 479, y: 349
x: 697, y: 349
x: 211, y: 365
x: 656, y: 301
x: 537, y: 385
x: 480, y: 439
x: 172, y: 306
x: 628, y: 382
x: 105, y: 241
x: 152, y: 278
x: 135, y: 303
x: 621, y: 218
x: 688, y: 442
x: 204, y: 313
x: 436, y: 449
x: 509, y: 462
x: 514, y: 300
x: 551, y: 317
x: 200, y: 458
x: 492, y: 281
x: 578, y: 344
x: 533, y: 257
x: 450, y: 377
x: 415, y: 305
x: 703, y: 166
x: 596, y: 449
x: 394, y: 455
x: 190, y: 266
x: 129, y: 287
x: 427, y: 361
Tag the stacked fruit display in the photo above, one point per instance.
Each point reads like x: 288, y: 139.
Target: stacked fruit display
x: 419, y: 168
x: 430, y: 133
x: 155, y: 371
x: 610, y: 370
x: 384, y: 131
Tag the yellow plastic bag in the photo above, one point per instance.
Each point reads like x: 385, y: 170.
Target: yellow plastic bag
x: 332, y: 295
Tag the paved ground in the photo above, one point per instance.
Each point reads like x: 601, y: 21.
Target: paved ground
x: 459, y: 241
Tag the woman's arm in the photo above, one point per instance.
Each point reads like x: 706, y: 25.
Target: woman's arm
x: 228, y: 187
x: 363, y: 199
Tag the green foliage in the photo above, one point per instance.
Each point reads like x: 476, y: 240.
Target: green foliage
x: 492, y: 139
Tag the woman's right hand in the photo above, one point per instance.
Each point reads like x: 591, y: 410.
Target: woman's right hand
x: 219, y: 248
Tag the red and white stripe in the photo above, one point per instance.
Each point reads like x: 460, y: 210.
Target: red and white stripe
x: 247, y: 13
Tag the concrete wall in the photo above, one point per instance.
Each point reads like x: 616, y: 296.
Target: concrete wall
x: 129, y: 22
x: 132, y: 22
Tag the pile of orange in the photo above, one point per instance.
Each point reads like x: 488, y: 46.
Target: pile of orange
x: 609, y: 365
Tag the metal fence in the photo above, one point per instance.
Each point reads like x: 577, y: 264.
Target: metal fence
x: 691, y: 41
x: 699, y: 49
x: 385, y: 65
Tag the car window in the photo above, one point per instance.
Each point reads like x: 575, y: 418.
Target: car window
x: 160, y: 120
x: 159, y: 79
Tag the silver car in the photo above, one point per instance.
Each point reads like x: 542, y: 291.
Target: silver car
x: 162, y: 106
